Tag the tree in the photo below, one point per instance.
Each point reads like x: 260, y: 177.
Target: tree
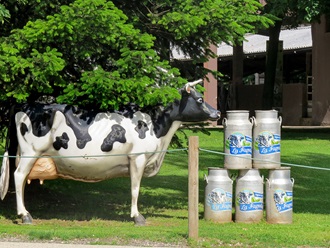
x: 87, y: 54
x: 193, y: 26
x: 104, y: 54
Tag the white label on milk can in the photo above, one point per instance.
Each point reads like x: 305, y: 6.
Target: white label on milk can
x: 239, y: 144
x: 249, y: 200
x: 219, y: 200
x: 267, y: 143
x: 283, y: 200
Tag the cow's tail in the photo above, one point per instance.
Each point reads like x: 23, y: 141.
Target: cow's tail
x: 10, y: 149
x: 4, y: 179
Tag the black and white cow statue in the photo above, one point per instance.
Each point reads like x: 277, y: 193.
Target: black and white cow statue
x: 93, y: 146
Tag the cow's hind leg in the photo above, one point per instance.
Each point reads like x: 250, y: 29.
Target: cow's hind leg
x: 21, y: 173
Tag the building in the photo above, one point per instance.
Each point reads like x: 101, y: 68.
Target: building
x: 303, y: 84
x: 294, y: 69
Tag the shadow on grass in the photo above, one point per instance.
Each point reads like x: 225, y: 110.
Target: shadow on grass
x: 304, y: 134
x: 107, y: 200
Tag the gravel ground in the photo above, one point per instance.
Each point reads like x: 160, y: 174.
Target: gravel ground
x: 52, y: 245
x: 21, y: 242
x: 7, y: 244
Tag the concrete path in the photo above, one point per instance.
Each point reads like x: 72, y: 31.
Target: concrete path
x: 54, y: 245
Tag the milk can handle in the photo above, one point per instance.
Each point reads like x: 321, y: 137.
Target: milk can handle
x: 254, y: 120
x: 224, y: 122
x: 280, y: 119
x: 205, y: 178
x: 292, y: 180
x: 268, y: 182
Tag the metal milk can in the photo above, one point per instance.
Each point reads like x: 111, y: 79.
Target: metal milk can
x: 249, y: 196
x: 279, y: 196
x: 266, y: 139
x: 218, y: 195
x: 237, y: 140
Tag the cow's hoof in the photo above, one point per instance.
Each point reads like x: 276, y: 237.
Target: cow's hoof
x: 27, y: 219
x: 140, y: 220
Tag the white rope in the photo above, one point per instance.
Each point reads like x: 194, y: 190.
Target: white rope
x: 268, y: 161
x: 170, y: 151
x: 97, y: 156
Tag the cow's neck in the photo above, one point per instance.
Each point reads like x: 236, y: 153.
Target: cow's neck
x: 164, y: 121
x: 157, y: 158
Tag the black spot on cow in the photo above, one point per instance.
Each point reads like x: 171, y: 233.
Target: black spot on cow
x: 23, y: 129
x: 79, y: 120
x: 41, y: 117
x: 141, y: 128
x: 117, y: 134
x: 61, y: 141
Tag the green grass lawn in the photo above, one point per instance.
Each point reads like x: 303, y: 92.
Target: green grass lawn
x: 98, y: 213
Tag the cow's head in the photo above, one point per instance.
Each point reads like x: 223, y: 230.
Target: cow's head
x: 192, y: 108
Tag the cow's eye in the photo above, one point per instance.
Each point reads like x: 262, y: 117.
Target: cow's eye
x: 200, y: 100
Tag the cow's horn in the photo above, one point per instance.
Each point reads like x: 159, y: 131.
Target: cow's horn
x: 192, y: 84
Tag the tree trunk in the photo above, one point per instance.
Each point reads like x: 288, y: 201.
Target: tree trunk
x: 270, y: 73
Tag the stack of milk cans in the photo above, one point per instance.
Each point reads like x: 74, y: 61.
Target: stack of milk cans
x: 250, y: 144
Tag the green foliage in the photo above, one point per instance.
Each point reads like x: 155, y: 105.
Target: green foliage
x: 106, y: 54
x: 312, y: 10
x: 193, y: 26
x: 295, y: 12
x: 4, y: 13
x: 86, y: 54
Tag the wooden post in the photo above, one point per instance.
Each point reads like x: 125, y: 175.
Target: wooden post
x: 193, y: 187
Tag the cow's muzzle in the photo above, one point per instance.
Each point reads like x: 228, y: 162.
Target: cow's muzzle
x: 215, y: 115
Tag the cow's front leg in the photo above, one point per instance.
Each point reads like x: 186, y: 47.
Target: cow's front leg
x: 137, y: 165
x: 20, y: 175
